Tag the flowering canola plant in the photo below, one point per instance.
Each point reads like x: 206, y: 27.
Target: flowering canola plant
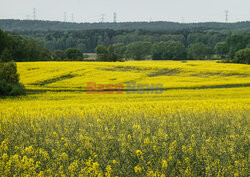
x: 197, y: 127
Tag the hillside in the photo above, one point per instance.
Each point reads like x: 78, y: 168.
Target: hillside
x: 73, y: 76
x: 11, y: 25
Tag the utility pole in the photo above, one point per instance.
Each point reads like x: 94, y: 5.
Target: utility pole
x: 65, y: 17
x: 34, y: 13
x: 182, y: 20
x: 227, y: 12
x: 150, y: 19
x: 115, y: 17
x: 102, y: 18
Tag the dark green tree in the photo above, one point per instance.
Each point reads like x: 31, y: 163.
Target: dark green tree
x: 242, y: 56
x: 6, y: 55
x: 19, y: 49
x: 120, y: 50
x: 74, y: 54
x: 3, y: 40
x: 199, y: 51
x: 112, y: 55
x: 158, y: 50
x: 9, y: 80
x: 175, y: 50
x: 82, y: 47
x: 59, y: 55
x: 102, y: 53
x: 9, y: 72
x: 139, y: 50
x: 237, y: 42
x: 170, y: 50
x: 221, y: 49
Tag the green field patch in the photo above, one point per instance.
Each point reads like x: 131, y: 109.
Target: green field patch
x: 55, y: 79
x: 126, y: 68
x: 165, y: 72
x: 30, y: 69
x: 208, y: 74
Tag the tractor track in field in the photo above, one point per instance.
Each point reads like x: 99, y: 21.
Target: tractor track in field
x: 30, y: 91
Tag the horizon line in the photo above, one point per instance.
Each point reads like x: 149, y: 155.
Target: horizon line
x: 42, y: 20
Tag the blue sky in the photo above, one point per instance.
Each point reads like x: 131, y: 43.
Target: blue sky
x: 127, y: 10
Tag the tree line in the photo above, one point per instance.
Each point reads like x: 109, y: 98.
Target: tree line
x: 235, y: 49
x: 39, y: 25
x: 13, y: 47
x: 87, y: 40
x: 113, y: 45
x: 17, y: 48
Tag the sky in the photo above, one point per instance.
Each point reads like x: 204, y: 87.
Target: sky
x: 185, y: 11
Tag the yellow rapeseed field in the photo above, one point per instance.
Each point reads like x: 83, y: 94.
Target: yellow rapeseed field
x: 198, y: 126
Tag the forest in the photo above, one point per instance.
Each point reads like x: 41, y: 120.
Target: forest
x: 190, y: 41
x: 14, y: 47
x: 87, y: 40
x: 11, y: 25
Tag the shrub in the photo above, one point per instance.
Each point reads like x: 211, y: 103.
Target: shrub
x: 110, y: 53
x: 17, y: 89
x: 139, y: 50
x: 242, y: 56
x: 102, y: 53
x: 237, y: 42
x: 6, y: 55
x: 221, y: 49
x: 8, y: 72
x: 74, y: 54
x: 199, y: 51
x: 169, y: 50
x: 59, y: 55
x: 9, y: 80
x: 10, y: 89
x: 5, y: 87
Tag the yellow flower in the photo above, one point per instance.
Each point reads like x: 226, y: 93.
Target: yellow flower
x: 109, y: 170
x: 114, y: 162
x: 236, y: 163
x: 5, y: 157
x: 138, y: 153
x: 137, y: 169
x: 164, y: 164
x: 64, y: 156
x: 29, y: 150
x: 129, y: 137
x: 147, y: 141
x: 151, y: 173
x: 236, y: 174
x: 41, y: 174
x: 148, y: 131
x: 4, y: 146
x: 95, y: 165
